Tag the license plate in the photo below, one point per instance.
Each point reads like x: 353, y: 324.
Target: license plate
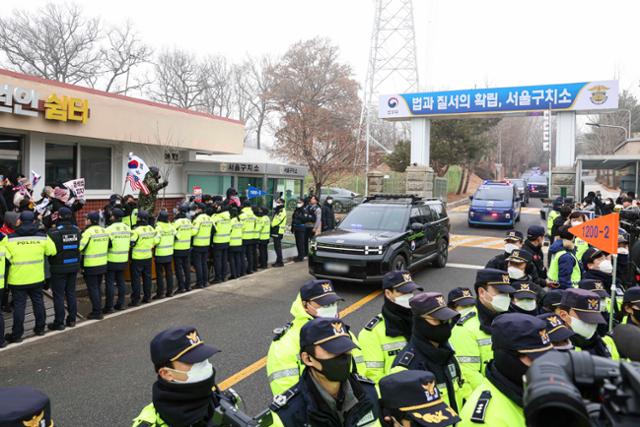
x: 336, y: 267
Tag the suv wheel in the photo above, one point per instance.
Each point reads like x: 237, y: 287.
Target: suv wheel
x: 399, y: 263
x: 337, y: 207
x: 443, y: 254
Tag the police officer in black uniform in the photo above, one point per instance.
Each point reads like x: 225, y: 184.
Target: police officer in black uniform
x: 533, y: 245
x: 513, y: 240
x: 328, y: 393
x: 64, y: 267
x: 429, y: 349
x: 413, y: 397
x: 24, y: 406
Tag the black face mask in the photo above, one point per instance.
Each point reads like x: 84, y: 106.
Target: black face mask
x: 336, y: 369
x: 510, y: 366
x: 636, y: 316
x: 425, y: 330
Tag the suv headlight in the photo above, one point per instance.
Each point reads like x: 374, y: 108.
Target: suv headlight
x: 507, y: 215
x: 313, y: 245
x: 374, y: 250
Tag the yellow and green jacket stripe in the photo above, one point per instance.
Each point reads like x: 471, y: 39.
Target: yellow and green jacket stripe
x: 222, y: 225
x: 236, y: 232
x: 184, y: 232
x: 143, y: 240
x: 120, y: 237
x: 280, y: 220
x: 248, y: 220
x: 263, y: 225
x: 94, y: 246
x: 132, y: 219
x: 202, y: 226
x: 26, y: 255
x: 165, y: 236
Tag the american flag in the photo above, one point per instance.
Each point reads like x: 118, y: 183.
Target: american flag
x: 137, y: 184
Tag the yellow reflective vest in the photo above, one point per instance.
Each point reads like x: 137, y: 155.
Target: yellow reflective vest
x: 94, y: 246
x: 248, y: 220
x: 222, y: 224
x: 143, y: 240
x: 236, y: 232
x: 132, y: 219
x: 495, y: 408
x: 378, y: 349
x: 202, y: 226
x: 184, y: 232
x: 473, y: 348
x: 263, y: 227
x: 26, y: 255
x: 120, y: 237
x: 165, y: 236
x: 280, y: 220
x: 3, y: 251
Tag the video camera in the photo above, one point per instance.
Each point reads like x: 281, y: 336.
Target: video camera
x: 227, y: 413
x: 578, y: 389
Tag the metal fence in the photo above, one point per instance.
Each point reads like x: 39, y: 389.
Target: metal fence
x: 440, y: 188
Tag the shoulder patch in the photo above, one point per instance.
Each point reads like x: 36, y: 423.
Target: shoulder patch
x: 364, y: 379
x: 465, y: 318
x: 373, y: 322
x: 480, y: 410
x: 279, y: 332
x: 406, y: 358
x: 281, y: 400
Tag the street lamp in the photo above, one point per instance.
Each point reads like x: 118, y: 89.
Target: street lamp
x: 600, y: 125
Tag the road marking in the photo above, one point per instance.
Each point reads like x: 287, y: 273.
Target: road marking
x: 470, y: 241
x: 259, y: 364
x: 466, y: 266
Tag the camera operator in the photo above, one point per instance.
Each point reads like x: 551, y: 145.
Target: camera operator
x: 185, y: 393
x: 498, y: 401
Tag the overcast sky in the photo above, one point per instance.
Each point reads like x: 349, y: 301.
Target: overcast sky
x: 461, y: 44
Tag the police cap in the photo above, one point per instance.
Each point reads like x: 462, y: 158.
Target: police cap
x: 27, y: 217
x: 330, y: 334
x: 142, y: 214
x: 564, y: 233
x: 93, y: 216
x: 523, y: 333
x: 163, y: 216
x: 632, y: 295
x: 416, y: 395
x: 24, y: 406
x: 65, y: 212
x: 523, y: 289
x: 319, y: 291
x: 586, y: 304
x: 552, y: 299
x: 593, y: 285
x: 400, y: 281
x: 180, y: 343
x: 535, y: 231
x: 496, y: 278
x: 460, y: 297
x: 591, y: 255
x: 520, y: 255
x: 556, y: 328
x: 514, y: 236
x: 432, y: 304
x: 117, y: 212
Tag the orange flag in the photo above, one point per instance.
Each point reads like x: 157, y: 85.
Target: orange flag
x: 601, y: 232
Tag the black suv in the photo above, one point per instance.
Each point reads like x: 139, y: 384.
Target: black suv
x: 384, y: 233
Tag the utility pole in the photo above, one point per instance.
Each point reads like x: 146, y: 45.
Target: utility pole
x: 392, y: 68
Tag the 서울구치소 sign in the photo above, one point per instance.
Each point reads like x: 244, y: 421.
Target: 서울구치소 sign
x: 584, y: 97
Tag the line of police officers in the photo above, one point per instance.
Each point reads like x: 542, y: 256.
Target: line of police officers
x: 237, y: 240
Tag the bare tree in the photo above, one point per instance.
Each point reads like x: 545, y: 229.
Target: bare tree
x: 124, y: 52
x: 218, y: 94
x: 180, y: 80
x: 253, y: 82
x: 317, y: 101
x: 57, y: 42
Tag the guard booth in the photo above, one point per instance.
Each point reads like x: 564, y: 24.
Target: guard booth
x: 626, y: 166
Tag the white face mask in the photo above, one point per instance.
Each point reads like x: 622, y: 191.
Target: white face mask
x: 584, y: 329
x: 623, y: 251
x: 199, y: 372
x: 465, y: 310
x: 606, y: 267
x: 509, y: 247
x: 300, y: 205
x: 604, y: 304
x: 403, y: 300
x: 575, y: 223
x: 329, y: 201
x: 526, y: 304
x: 515, y: 272
x: 330, y: 311
x: 500, y: 302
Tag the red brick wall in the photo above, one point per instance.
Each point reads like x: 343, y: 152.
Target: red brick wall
x: 97, y: 205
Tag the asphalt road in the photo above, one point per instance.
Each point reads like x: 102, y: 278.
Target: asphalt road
x: 100, y: 373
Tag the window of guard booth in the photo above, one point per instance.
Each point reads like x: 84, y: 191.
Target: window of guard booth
x: 291, y: 190
x: 60, y: 163
x: 215, y: 185
x: 10, y: 155
x: 244, y: 182
x: 95, y: 167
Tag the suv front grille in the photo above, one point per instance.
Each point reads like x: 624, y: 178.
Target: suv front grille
x: 354, y: 250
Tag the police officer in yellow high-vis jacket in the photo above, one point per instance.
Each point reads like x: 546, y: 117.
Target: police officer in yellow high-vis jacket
x: 249, y: 237
x: 143, y: 238
x: 221, y: 239
x: 235, y: 244
x: 387, y: 333
x: 518, y: 339
x: 3, y: 243
x: 263, y: 228
x: 117, y: 260
x: 26, y: 249
x: 94, y: 246
x: 202, y: 226
x: 278, y: 226
x: 182, y: 248
x: 165, y: 237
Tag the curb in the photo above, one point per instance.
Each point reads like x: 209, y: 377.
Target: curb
x: 457, y: 203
